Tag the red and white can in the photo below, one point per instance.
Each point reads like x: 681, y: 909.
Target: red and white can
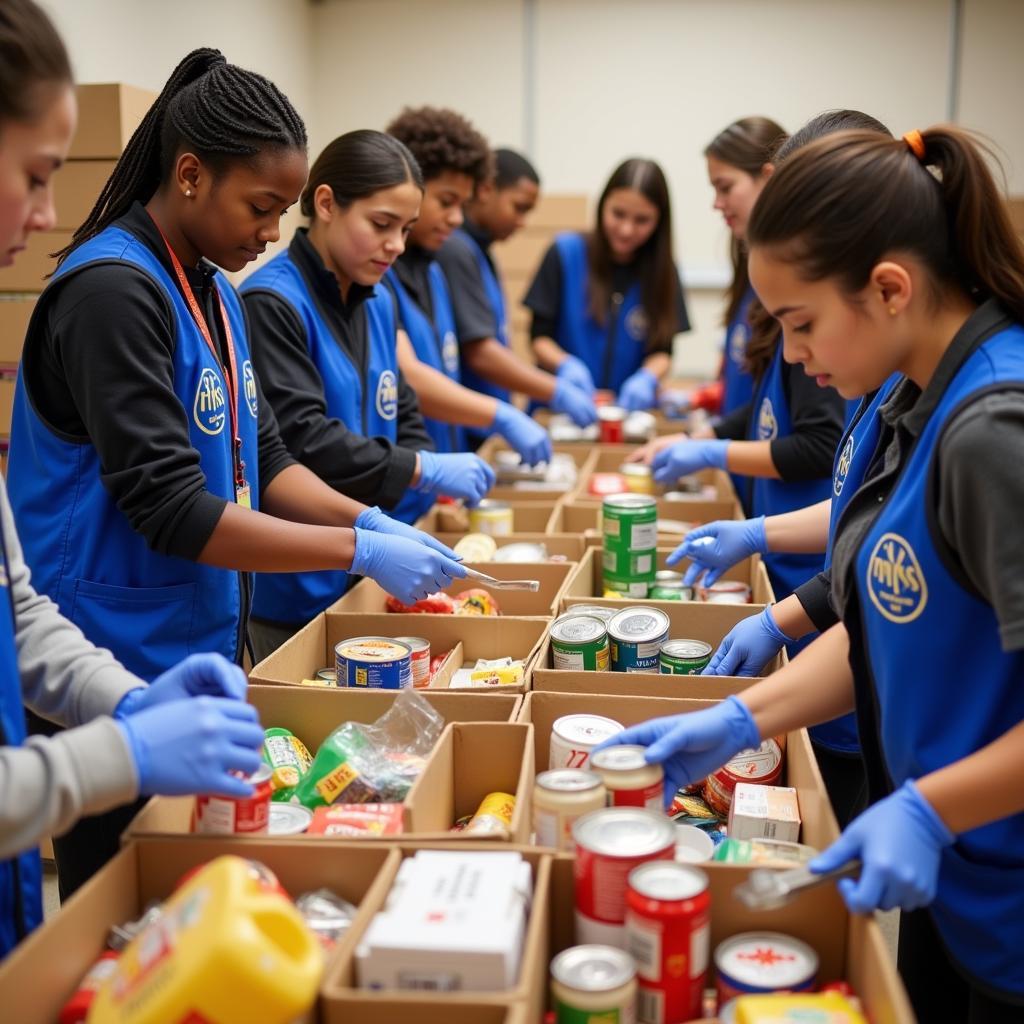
x: 609, y: 845
x: 762, y: 767
x: 420, y: 659
x: 611, y: 421
x: 668, y: 934
x: 225, y: 815
x: 628, y: 778
x: 762, y: 963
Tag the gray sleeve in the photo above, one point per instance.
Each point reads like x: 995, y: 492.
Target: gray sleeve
x: 474, y: 318
x: 980, y: 495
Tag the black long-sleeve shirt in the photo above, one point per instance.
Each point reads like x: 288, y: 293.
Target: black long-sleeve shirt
x: 369, y: 469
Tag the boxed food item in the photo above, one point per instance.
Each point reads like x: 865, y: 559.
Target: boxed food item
x: 764, y: 812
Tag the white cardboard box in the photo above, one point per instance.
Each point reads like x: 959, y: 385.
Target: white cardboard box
x: 764, y: 812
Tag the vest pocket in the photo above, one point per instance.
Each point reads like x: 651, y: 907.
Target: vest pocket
x: 149, y: 629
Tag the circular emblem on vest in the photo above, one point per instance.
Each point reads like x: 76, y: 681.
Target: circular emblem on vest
x: 249, y: 387
x: 767, y: 426
x: 387, y: 395
x: 637, y: 324
x: 736, y: 344
x: 450, y: 352
x: 895, y: 581
x: 843, y: 467
x: 210, y: 407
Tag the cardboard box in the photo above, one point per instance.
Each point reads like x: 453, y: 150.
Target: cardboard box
x: 28, y: 272
x: 368, y: 1009
x: 15, y: 313
x: 580, y: 518
x: 108, y: 114
x: 7, y: 385
x: 567, y: 546
x: 582, y: 457
x: 523, y: 252
x: 76, y: 189
x: 527, y: 517
x: 560, y: 212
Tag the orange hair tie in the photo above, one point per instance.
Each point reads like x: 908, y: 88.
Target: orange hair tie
x: 915, y: 141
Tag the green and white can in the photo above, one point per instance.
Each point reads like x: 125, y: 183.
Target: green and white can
x: 630, y: 522
x: 594, y: 983
x: 684, y: 657
x: 579, y: 643
x: 669, y: 586
x: 623, y: 564
x: 615, y: 587
x: 635, y: 637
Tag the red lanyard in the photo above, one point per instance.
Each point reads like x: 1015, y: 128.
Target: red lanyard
x: 232, y: 377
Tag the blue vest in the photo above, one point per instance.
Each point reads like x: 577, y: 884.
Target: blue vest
x: 150, y: 609
x: 612, y: 351
x: 942, y: 685
x: 737, y: 383
x: 368, y: 410
x: 21, y: 899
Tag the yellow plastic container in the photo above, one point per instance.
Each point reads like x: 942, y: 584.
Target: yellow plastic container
x: 802, y: 1008
x: 225, y: 951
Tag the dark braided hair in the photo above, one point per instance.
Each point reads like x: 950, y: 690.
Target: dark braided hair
x: 218, y: 110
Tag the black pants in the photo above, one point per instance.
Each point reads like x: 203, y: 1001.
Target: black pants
x: 938, y: 992
x: 845, y: 781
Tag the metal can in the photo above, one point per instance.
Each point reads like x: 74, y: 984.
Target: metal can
x: 247, y: 815
x: 579, y: 643
x: 289, y: 819
x: 522, y: 551
x: 491, y: 517
x: 630, y: 521
x: 635, y: 636
x: 668, y: 930
x: 669, y: 586
x: 574, y: 736
x: 762, y: 767
x: 559, y: 798
x: 593, y: 983
x: 617, y: 587
x: 628, y: 565
x: 327, y: 675
x: 684, y: 657
x: 604, y: 612
x: 764, y: 962
x: 419, y: 659
x: 609, y: 844
x: 725, y: 592
x: 493, y: 817
x: 611, y: 421
x: 628, y: 778
x: 639, y: 479
x: 374, y: 663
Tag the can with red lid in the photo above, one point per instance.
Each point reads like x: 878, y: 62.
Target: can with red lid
x: 668, y: 932
x: 628, y: 778
x: 609, y: 844
x: 225, y: 815
x: 611, y: 421
x: 762, y: 766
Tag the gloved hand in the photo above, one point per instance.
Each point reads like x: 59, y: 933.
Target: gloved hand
x: 576, y: 372
x: 898, y: 842
x: 198, y: 674
x: 639, y: 391
x: 687, y: 457
x: 458, y: 475
x: 403, y: 567
x: 526, y: 435
x: 377, y: 521
x: 718, y: 546
x: 748, y: 646
x: 576, y: 404
x: 691, y: 746
x: 192, y: 746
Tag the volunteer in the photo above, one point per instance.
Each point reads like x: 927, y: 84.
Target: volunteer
x: 607, y: 303
x: 455, y: 159
x: 188, y: 730
x: 883, y: 256
x: 141, y: 447
x: 497, y: 210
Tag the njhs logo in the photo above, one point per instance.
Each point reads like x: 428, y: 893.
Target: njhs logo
x: 387, y: 396
x: 895, y: 581
x: 845, y: 461
x: 767, y: 426
x: 209, y: 409
x: 249, y: 387
x: 637, y: 324
x: 737, y: 344
x: 450, y: 353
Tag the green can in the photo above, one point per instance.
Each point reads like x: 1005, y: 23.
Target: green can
x: 615, y: 586
x: 603, y: 612
x: 630, y: 522
x: 629, y: 565
x: 669, y: 586
x: 579, y: 643
x: 684, y: 657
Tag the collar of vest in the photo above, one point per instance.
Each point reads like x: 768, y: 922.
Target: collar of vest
x: 308, y: 260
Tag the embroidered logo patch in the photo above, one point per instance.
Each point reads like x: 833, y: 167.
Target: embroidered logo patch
x: 843, y: 467
x: 387, y: 395
x: 736, y: 345
x: 450, y: 352
x: 895, y: 581
x: 210, y: 407
x: 767, y: 426
x: 249, y: 388
x: 637, y: 324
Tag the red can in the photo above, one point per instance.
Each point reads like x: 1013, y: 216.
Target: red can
x: 76, y: 1009
x: 763, y: 767
x: 668, y: 934
x: 225, y: 815
x: 611, y: 419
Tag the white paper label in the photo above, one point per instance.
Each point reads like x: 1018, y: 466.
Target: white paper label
x: 650, y: 1006
x: 545, y: 828
x: 700, y: 943
x: 644, y: 945
x: 643, y: 535
x: 572, y: 661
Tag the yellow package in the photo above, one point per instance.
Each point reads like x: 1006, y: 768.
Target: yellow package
x: 806, y: 1008
x: 503, y: 675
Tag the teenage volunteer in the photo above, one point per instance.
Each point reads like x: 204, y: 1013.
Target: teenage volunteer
x: 141, y: 447
x: 883, y: 256
x: 191, y: 727
x: 497, y: 210
x: 607, y: 304
x: 455, y: 159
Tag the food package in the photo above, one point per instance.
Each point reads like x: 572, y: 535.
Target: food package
x: 326, y: 915
x: 477, y: 601
x: 289, y: 760
x: 354, y: 820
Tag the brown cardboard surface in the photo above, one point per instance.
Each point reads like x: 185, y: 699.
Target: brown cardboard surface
x: 29, y: 270
x: 581, y: 456
x: 365, y: 1009
x: 527, y: 517
x: 108, y: 113
x: 76, y: 189
x: 567, y: 546
x: 15, y: 312
x: 6, y: 404
x: 581, y: 518
x: 558, y: 212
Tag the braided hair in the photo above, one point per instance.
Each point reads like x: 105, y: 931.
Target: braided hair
x: 220, y: 111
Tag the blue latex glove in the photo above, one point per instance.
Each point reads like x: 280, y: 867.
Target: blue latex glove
x: 576, y: 404
x: 748, y: 647
x: 459, y: 475
x: 898, y: 842
x: 526, y: 435
x: 192, y: 746
x: 639, y: 391
x: 576, y: 372
x: 686, y: 457
x: 691, y: 746
x: 403, y: 567
x: 199, y: 674
x: 718, y: 546
x: 378, y: 522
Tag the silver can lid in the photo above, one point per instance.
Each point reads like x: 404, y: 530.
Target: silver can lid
x: 638, y: 625
x: 668, y: 880
x: 635, y: 469
x: 766, y: 960
x: 689, y: 649
x: 568, y: 780
x: 668, y: 578
x: 261, y: 775
x: 625, y: 758
x: 288, y: 819
x: 578, y: 629
x: 585, y: 729
x: 625, y: 832
x: 598, y: 611
x: 491, y: 505
x: 630, y: 501
x: 593, y: 968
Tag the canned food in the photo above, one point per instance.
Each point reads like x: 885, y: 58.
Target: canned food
x: 289, y: 760
x: 593, y: 983
x: 419, y: 659
x: 493, y: 817
x: 635, y: 636
x: 609, y: 844
x: 289, y: 819
x: 611, y: 421
x: 669, y: 586
x: 668, y: 929
x: 374, y: 663
x: 327, y: 675
x: 629, y: 779
x: 615, y: 587
x: 574, y: 736
x: 603, y: 612
x: 630, y: 521
x: 625, y: 564
x: 638, y: 477
x: 491, y: 517
x: 559, y: 798
x: 246, y: 815
x: 725, y: 592
x: 476, y: 547
x: 764, y: 962
x: 524, y: 551
x: 684, y: 657
x: 579, y: 643
x: 762, y: 766
x: 640, y: 426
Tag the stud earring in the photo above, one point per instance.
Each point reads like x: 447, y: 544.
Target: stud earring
x: 188, y: 192
x: 892, y: 311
